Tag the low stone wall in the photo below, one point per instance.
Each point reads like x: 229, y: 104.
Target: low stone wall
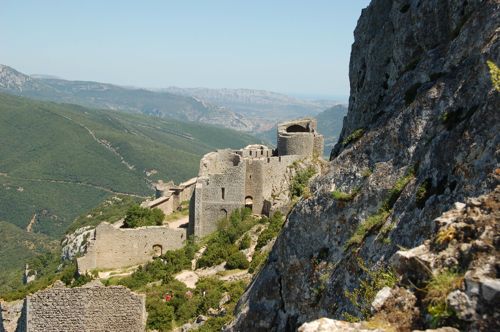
x: 114, y: 247
x: 91, y: 308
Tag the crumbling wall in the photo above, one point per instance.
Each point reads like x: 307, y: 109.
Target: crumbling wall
x: 96, y: 308
x: 10, y: 313
x: 300, y: 137
x: 115, y: 247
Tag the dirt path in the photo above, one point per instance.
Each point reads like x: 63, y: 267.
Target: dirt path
x: 30, y: 225
x: 177, y: 223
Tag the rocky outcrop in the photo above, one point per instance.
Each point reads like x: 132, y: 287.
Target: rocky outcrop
x: 421, y: 134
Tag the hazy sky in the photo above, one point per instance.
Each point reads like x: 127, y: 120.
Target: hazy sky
x: 299, y: 47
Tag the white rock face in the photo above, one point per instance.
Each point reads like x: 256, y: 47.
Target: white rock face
x: 76, y: 243
x: 332, y: 325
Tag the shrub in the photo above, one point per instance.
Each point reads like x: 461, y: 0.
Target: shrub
x: 221, y: 244
x: 300, y: 181
x: 258, y: 260
x: 436, y: 291
x: 138, y: 216
x: 245, y: 242
x: 238, y: 260
x: 353, y: 137
x: 345, y: 197
x: 376, y: 279
x: 272, y: 231
x: 160, y: 315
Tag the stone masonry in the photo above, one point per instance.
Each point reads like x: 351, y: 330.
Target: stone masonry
x: 89, y: 308
x: 250, y: 177
x: 113, y: 247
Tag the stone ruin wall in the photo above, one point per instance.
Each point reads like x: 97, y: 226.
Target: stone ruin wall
x: 219, y: 190
x: 265, y: 181
x: 10, y: 313
x: 97, y: 308
x: 169, y: 197
x: 115, y: 247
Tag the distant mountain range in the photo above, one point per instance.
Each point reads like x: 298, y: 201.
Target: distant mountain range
x: 241, y: 109
x: 264, y: 108
x: 109, y: 96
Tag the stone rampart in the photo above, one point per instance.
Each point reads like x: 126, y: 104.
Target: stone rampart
x: 114, y: 247
x: 92, y: 308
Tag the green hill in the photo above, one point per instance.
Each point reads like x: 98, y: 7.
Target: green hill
x: 60, y: 160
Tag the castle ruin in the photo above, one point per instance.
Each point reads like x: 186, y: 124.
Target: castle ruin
x: 250, y: 177
x: 254, y: 177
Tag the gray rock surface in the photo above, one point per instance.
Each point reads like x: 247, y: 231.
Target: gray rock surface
x: 422, y: 92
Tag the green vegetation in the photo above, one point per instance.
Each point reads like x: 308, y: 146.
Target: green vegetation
x: 110, y: 210
x: 375, y: 221
x: 275, y: 224
x: 423, y: 192
x: 60, y: 161
x: 138, y: 216
x: 183, y: 304
x: 436, y: 291
x: 237, y: 260
x: 245, y: 242
x: 183, y: 211
x: 345, y: 197
x: 17, y: 248
x: 221, y: 244
x: 258, y: 260
x: 353, y: 137
x: 299, y: 185
x: 495, y: 74
x: 362, y: 297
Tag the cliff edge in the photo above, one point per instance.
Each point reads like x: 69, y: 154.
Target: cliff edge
x: 421, y: 133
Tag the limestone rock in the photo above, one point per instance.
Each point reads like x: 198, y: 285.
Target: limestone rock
x: 427, y: 113
x: 461, y: 305
x: 331, y: 325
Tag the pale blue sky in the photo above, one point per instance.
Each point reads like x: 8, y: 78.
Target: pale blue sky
x: 298, y: 47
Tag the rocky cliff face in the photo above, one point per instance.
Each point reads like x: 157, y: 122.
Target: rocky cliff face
x: 421, y: 134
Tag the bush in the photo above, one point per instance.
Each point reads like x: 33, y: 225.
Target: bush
x: 345, y: 197
x: 353, y: 137
x: 238, y: 260
x: 257, y: 260
x: 138, y: 216
x: 376, y: 279
x: 437, y: 289
x: 160, y: 315
x: 221, y: 243
x: 245, y: 242
x: 300, y: 181
x: 272, y: 231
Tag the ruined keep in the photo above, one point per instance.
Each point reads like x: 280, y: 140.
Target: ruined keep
x: 250, y: 177
x: 89, y: 308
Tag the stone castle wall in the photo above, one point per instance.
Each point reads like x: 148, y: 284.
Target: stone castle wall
x: 219, y: 190
x: 300, y: 137
x: 114, y: 247
x: 99, y: 308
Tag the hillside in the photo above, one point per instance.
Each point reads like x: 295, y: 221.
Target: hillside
x: 330, y: 125
x: 408, y: 206
x: 113, y: 97
x: 60, y: 160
